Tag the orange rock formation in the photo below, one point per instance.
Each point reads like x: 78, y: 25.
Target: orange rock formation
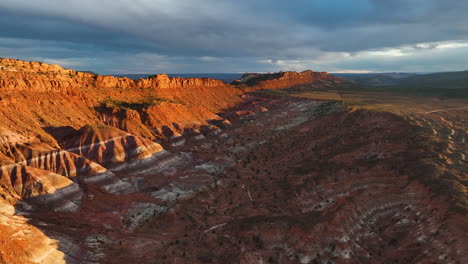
x: 100, y: 169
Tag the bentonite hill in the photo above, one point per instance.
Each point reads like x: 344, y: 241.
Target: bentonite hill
x: 99, y: 169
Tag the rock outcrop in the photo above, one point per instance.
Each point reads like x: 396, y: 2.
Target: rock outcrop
x: 281, y: 80
x: 26, y: 182
x: 109, y: 145
x: 162, y: 81
x: 22, y: 243
x: 63, y: 162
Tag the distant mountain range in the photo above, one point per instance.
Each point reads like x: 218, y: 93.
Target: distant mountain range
x: 449, y: 84
x: 376, y: 79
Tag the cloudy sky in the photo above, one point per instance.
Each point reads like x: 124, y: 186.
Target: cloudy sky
x: 194, y: 36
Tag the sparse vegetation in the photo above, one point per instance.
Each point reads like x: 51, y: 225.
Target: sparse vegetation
x: 258, y: 242
x: 152, y: 101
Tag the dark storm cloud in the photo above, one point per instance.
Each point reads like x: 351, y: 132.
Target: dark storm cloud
x: 209, y: 35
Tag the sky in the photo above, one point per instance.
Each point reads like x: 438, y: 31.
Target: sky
x: 221, y: 36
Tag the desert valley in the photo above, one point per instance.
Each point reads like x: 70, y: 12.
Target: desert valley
x: 274, y: 168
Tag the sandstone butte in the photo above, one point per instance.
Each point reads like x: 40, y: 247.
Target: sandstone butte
x: 99, y: 169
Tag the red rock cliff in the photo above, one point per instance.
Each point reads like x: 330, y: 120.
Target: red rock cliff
x: 281, y: 80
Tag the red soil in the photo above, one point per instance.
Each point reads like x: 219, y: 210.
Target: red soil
x: 242, y: 179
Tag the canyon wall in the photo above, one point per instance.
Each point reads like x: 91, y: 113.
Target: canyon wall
x: 67, y: 123
x: 37, y: 96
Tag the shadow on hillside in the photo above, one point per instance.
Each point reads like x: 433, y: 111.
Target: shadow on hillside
x: 37, y: 211
x: 60, y: 133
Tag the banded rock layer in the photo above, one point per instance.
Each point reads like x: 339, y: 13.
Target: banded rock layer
x: 98, y: 169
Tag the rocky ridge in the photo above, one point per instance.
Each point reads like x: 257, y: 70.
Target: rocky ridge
x: 282, y: 80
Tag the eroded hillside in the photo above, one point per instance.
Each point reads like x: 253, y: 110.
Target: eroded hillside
x: 98, y: 169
